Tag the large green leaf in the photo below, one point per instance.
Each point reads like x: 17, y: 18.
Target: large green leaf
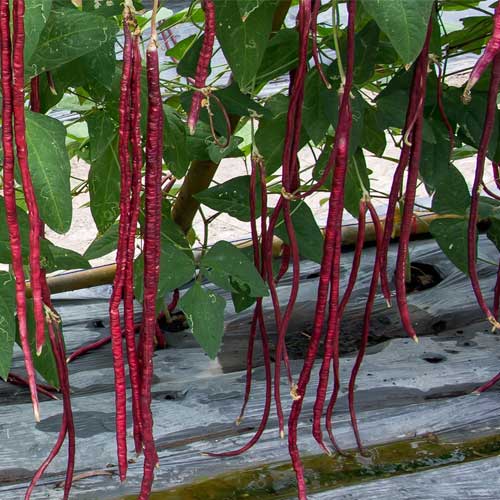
x: 244, y: 41
x: 270, y: 136
x: 231, y: 197
x: 7, y: 322
x: 307, y: 232
x: 175, y: 153
x: 35, y: 17
x: 451, y: 236
x: 494, y: 232
x: 176, y: 269
x: 101, y: 132
x: 228, y: 267
x: 404, y: 22
x: 103, y: 244
x: 452, y: 194
x: 50, y: 169
x: 435, y: 158
x: 104, y: 188
x: 204, y: 311
x: 67, y: 35
x: 65, y: 259
x: 280, y: 57
x: 317, y: 100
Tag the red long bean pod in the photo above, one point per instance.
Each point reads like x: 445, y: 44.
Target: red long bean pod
x: 174, y: 301
x: 397, y: 181
x: 59, y: 350
x: 285, y: 262
x: 489, y: 192
x: 10, y: 198
x: 331, y: 353
x: 333, y: 328
x: 203, y: 67
x: 356, y: 260
x: 267, y: 406
x: 121, y: 256
x: 496, y: 294
x: 343, y: 303
x: 314, y: 37
x: 366, y: 325
x: 57, y: 345
x: 334, y: 223
x: 496, y: 306
x: 88, y: 348
x: 152, y: 227
x: 35, y: 94
x: 490, y: 52
x: 442, y: 111
x: 291, y: 181
x: 46, y: 390
x: 53, y: 453
x: 257, y: 263
x: 135, y: 201
x: 258, y: 317
x: 489, y: 123
x: 495, y: 166
x: 409, y: 199
x: 22, y: 158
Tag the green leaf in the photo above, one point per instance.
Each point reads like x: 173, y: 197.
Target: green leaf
x: 187, y: 65
x: 180, y: 48
x: 7, y: 322
x: 366, y: 52
x: 373, y: 137
x: 470, y: 119
x: 231, y: 197
x: 353, y: 188
x: 228, y: 267
x: 242, y: 301
x: 280, y: 57
x: 50, y: 169
x: 99, y: 65
x: 307, y: 232
x: 175, y: 153
x: 104, y: 188
x: 494, y: 232
x: 69, y: 34
x: 176, y: 269
x: 451, y: 236
x: 35, y: 17
x: 217, y: 153
x: 404, y: 22
x: 452, y: 194
x: 270, y: 136
x: 103, y: 244
x: 240, y: 104
x: 317, y: 99
x: 244, y: 41
x: 102, y: 131
x: 435, y: 158
x: 65, y: 259
x: 204, y: 311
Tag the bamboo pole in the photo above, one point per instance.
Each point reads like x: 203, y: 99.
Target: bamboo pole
x: 104, y: 275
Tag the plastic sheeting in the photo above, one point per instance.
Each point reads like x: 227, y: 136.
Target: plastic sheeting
x: 195, y: 400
